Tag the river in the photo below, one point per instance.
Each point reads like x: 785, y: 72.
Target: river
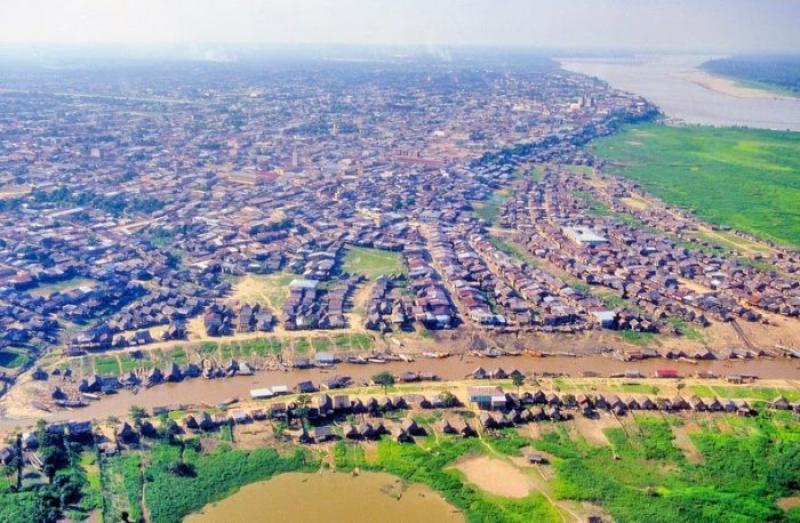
x: 311, y: 498
x: 200, y: 391
x: 685, y: 94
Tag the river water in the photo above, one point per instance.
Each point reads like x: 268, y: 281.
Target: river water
x: 658, y: 78
x: 313, y: 498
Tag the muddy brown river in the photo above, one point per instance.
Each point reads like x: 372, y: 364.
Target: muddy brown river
x: 199, y: 391
x: 330, y: 496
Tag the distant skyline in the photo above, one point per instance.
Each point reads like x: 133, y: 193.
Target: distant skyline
x: 683, y: 25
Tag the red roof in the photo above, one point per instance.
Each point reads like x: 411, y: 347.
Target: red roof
x: 666, y: 373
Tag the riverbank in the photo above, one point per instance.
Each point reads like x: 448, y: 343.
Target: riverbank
x: 451, y: 372
x: 729, y: 86
x: 659, y: 78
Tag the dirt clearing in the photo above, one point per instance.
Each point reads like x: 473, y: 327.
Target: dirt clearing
x: 496, y: 476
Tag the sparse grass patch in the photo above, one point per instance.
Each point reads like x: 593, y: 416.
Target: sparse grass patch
x: 106, y: 365
x: 373, y: 262
x: 360, y: 341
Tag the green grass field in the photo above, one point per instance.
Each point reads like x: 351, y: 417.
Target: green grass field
x: 748, y: 179
x: 372, y: 262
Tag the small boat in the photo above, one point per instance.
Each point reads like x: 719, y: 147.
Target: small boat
x: 91, y: 396
x: 376, y: 360
x: 435, y: 355
x: 41, y: 406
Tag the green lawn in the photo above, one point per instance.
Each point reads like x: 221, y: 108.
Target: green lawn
x: 748, y: 179
x: 373, y: 262
x: 48, y: 289
x: 489, y: 210
x: 106, y: 365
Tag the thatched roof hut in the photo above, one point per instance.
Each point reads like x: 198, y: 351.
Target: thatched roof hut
x: 446, y: 427
x: 190, y: 422
x: 647, y: 404
x: 780, y: 403
x: 401, y: 436
x: 386, y: 404
x: 487, y: 420
x: 479, y: 374
x: 539, y: 398
x: 352, y: 433
x: 410, y: 426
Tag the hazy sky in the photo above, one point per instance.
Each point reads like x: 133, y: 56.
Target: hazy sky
x: 675, y: 24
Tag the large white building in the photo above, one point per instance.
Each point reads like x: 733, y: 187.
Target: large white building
x: 583, y: 236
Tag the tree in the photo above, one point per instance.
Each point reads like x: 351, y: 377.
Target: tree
x: 385, y: 379
x: 518, y: 380
x: 449, y: 399
x: 181, y: 468
x: 303, y: 400
x: 137, y: 414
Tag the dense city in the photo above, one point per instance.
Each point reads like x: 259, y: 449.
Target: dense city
x: 255, y: 252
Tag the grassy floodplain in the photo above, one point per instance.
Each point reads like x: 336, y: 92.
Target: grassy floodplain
x: 745, y: 178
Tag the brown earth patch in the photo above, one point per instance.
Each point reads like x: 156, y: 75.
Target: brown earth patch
x: 496, y: 476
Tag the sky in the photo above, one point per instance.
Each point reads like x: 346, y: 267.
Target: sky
x: 706, y: 25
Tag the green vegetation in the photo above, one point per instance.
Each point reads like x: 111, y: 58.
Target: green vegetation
x: 66, y: 486
x: 742, y: 178
x: 489, y: 210
x: 613, y: 301
x: 690, y: 332
x: 429, y: 463
x: 122, y: 487
x: 12, y: 358
x: 644, y: 477
x: 373, y: 262
x: 593, y: 205
x: 301, y: 345
x: 106, y: 365
x: 62, y: 286
x: 513, y: 249
x: 737, y: 470
x: 636, y: 388
x: 778, y: 73
x: 745, y: 392
x: 361, y: 341
x: 385, y: 379
x: 638, y: 338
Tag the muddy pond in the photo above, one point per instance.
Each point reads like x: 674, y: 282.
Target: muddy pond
x: 330, y: 496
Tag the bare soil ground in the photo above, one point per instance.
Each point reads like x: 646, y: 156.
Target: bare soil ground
x: 726, y: 86
x: 592, y: 429
x: 496, y: 476
x: 789, y: 503
x: 683, y: 440
x: 636, y: 203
